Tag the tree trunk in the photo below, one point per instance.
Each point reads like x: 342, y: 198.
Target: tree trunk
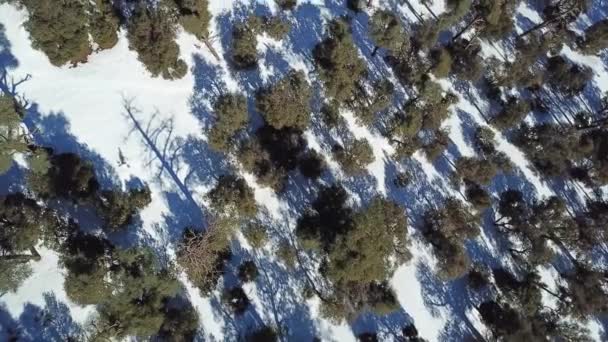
x: 34, y: 255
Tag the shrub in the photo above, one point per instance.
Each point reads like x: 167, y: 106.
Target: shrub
x: 480, y: 171
x: 232, y: 198
x: 354, y: 157
x: 232, y: 116
x: 512, y: 113
x: 59, y: 29
x: 442, y: 62
x: 286, y: 103
x: 256, y: 235
x: 248, y: 271
x: 275, y: 27
x: 152, y: 33
x: 287, y: 254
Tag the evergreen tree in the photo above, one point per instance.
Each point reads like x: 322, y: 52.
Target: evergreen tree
x: 386, y: 31
x: 233, y: 199
x: 354, y: 157
x: 512, y: 113
x: 286, y: 103
x: 244, y: 47
x: 194, y: 17
x: 363, y: 254
x: 117, y: 208
x: 340, y: 67
x: 596, y: 38
x: 59, y: 29
x: 232, y: 116
x: 12, y: 139
x: 152, y: 33
x: 104, y: 24
x: 566, y: 77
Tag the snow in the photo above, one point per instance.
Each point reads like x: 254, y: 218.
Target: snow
x: 91, y: 100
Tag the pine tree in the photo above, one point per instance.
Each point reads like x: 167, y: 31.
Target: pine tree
x: 59, y: 29
x: 340, y: 66
x: 286, y: 103
x: 354, y: 157
x: 596, y: 38
x: 386, y: 31
x: 12, y: 139
x: 152, y: 33
x: 232, y: 116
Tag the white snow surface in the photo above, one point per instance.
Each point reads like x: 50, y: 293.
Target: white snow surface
x: 91, y: 99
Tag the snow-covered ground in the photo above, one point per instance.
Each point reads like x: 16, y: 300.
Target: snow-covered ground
x: 83, y: 109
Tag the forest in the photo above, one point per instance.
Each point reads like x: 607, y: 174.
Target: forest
x: 399, y: 79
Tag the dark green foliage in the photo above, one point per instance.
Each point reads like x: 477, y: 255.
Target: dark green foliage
x: 362, y: 253
x: 386, y: 31
x: 480, y: 171
x: 244, y: 47
x: 533, y: 225
x: 501, y: 319
x: 287, y: 254
x: 232, y: 116
x: 104, y: 24
x: 497, y: 17
x: 438, y: 144
x: 136, y: 306
x: 264, y: 334
x: 442, y: 62
x: 402, y: 179
x: 367, y: 105
x: 152, y: 34
x: 287, y: 5
x: 59, y: 29
x: 194, y: 17
x: 596, y: 38
x: 330, y: 114
x: 467, y: 63
x: 272, y: 154
x: 354, y: 157
x: 512, y: 113
x: 180, y: 324
x: 68, y: 177
x: 594, y: 144
x: 21, y: 222
x: 87, y: 259
x: 311, y: 164
x: 568, y: 78
x: 256, y: 235
x: 447, y: 228
x: 233, y: 198
x: 12, y: 140
x: 551, y: 149
x: 117, y: 208
x: 585, y: 292
x: 275, y: 27
x: 248, y: 271
x: 410, y: 334
x: 478, y: 196
x: 287, y: 102
x: 12, y: 274
x: 236, y: 299
x: 340, y: 67
x: 328, y: 217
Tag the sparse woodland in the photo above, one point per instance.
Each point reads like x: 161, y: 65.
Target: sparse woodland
x: 344, y: 247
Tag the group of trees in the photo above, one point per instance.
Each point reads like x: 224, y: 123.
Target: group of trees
x: 62, y: 30
x: 359, y: 249
x: 244, y: 38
